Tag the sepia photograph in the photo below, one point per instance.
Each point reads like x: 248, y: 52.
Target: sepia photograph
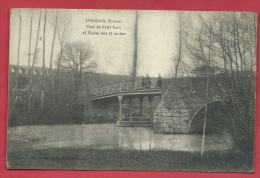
x: 136, y: 90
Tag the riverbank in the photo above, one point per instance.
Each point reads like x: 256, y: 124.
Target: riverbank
x: 119, y: 159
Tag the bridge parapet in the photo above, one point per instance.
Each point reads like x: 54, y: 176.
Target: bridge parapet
x: 124, y: 87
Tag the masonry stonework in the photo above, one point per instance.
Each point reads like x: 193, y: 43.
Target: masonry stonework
x: 180, y: 103
x: 171, y: 115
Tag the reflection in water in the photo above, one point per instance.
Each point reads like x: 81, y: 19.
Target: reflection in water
x: 173, y: 142
x: 108, y: 136
x: 142, y: 139
x: 135, y: 138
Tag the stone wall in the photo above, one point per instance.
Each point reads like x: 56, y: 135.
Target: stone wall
x: 171, y: 115
x: 183, y: 98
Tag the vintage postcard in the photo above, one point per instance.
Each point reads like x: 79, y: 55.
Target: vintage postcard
x: 132, y: 90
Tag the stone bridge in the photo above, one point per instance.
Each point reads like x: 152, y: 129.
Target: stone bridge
x: 182, y: 107
x: 182, y: 103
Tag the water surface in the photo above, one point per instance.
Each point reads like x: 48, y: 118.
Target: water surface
x: 109, y: 136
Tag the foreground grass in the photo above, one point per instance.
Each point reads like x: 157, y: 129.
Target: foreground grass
x: 118, y: 159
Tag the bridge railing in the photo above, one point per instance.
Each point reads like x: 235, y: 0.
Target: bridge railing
x: 124, y: 87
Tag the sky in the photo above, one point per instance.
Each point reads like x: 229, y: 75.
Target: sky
x: 157, y: 33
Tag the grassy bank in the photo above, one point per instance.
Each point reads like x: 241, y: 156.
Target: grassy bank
x: 118, y: 159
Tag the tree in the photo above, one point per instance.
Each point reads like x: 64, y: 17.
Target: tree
x: 30, y: 40
x: 182, y: 31
x: 33, y: 62
x: 236, y: 36
x: 18, y: 52
x: 43, y: 60
x: 43, y: 55
x: 76, y: 57
x: 63, y: 33
x: 55, y: 21
x: 202, y: 52
x: 63, y: 29
x: 134, y: 69
x: 231, y: 46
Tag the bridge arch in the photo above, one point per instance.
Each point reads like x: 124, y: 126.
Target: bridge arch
x: 217, y: 112
x: 45, y: 72
x: 13, y: 69
x: 36, y: 72
x: 22, y: 70
x: 30, y: 71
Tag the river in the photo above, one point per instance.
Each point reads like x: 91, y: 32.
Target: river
x: 109, y: 136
